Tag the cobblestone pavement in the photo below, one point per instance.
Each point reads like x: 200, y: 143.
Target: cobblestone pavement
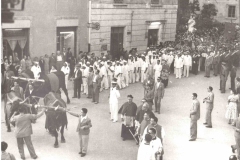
x: 105, y: 141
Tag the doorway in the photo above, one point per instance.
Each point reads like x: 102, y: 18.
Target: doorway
x: 152, y: 37
x: 67, y: 38
x: 116, y: 47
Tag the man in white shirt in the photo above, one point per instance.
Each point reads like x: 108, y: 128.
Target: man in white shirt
x: 125, y: 71
x: 66, y: 70
x: 85, y: 77
x: 122, y: 81
x: 59, y: 62
x: 137, y: 69
x: 145, y: 151
x: 103, y: 74
x: 110, y: 70
x: 170, y: 59
x: 113, y: 101
x: 36, y: 70
x: 178, y: 64
x: 155, y: 144
x: 131, y: 65
x: 157, y: 70
x: 144, y: 68
x: 187, y: 62
x: 118, y: 74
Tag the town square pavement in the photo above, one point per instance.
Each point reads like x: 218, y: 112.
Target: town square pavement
x: 106, y: 144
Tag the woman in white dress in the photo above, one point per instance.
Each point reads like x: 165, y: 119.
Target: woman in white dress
x: 231, y: 113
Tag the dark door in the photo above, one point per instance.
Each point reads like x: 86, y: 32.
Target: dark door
x: 152, y: 37
x: 67, y: 38
x: 116, y: 47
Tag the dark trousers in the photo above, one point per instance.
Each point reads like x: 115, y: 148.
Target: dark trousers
x: 165, y: 82
x: 96, y: 90
x: 222, y: 85
x: 208, y: 117
x: 207, y: 71
x: 157, y: 105
x: 28, y: 142
x: 90, y: 91
x: 125, y: 133
x: 77, y: 89
x: 233, y: 82
x: 193, y: 129
x: 195, y: 68
x: 215, y: 69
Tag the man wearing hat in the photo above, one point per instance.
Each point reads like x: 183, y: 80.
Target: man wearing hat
x: 113, y: 101
x: 66, y: 70
x: 77, y: 81
x: 128, y: 113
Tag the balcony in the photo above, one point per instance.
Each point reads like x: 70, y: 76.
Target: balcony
x: 118, y: 1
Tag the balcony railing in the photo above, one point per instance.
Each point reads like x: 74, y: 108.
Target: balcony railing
x: 154, y: 1
x: 118, y: 1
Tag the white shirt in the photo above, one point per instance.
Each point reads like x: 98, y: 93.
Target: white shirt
x: 144, y: 66
x: 187, y: 60
x: 131, y: 65
x: 65, y: 70
x: 36, y: 70
x: 110, y: 73
x: 178, y: 63
x: 82, y: 118
x: 95, y: 78
x: 59, y: 58
x: 145, y: 152
x: 158, y: 68
x: 125, y: 69
x: 156, y: 145
x: 103, y: 71
x: 118, y: 69
x: 86, y: 72
x: 114, y: 95
x: 170, y: 59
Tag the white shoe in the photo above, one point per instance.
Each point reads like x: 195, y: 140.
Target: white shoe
x: 114, y: 121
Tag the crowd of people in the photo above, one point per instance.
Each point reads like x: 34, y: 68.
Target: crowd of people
x: 92, y: 74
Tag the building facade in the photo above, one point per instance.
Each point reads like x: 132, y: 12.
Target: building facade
x: 44, y: 27
x: 127, y: 24
x: 228, y: 10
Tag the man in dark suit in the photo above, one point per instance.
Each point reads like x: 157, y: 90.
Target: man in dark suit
x: 29, y: 93
x: 195, y: 116
x: 83, y: 130
x: 41, y: 64
x: 77, y: 81
x: 96, y: 87
x: 69, y: 55
x: 52, y: 61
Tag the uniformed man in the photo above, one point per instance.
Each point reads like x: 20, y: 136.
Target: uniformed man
x: 113, y: 101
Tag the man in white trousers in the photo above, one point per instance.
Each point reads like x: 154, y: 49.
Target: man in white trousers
x: 66, y: 70
x: 187, y: 62
x: 110, y: 70
x: 125, y: 71
x: 103, y: 74
x: 84, y: 78
x: 178, y: 64
x: 157, y: 70
x: 144, y: 68
x: 113, y: 101
x: 131, y: 65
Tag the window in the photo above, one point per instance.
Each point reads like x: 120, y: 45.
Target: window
x: 231, y: 11
x: 154, y: 1
x: 118, y: 1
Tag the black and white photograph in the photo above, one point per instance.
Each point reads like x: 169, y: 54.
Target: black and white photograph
x: 120, y: 79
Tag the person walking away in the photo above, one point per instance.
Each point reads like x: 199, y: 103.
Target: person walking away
x: 66, y: 70
x: 194, y: 116
x: 96, y: 87
x: 209, y: 100
x: 23, y: 130
x: 5, y: 155
x: 77, y: 82
x: 128, y: 112
x: 90, y: 82
x: 113, y: 101
x: 231, y: 113
x: 83, y: 129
